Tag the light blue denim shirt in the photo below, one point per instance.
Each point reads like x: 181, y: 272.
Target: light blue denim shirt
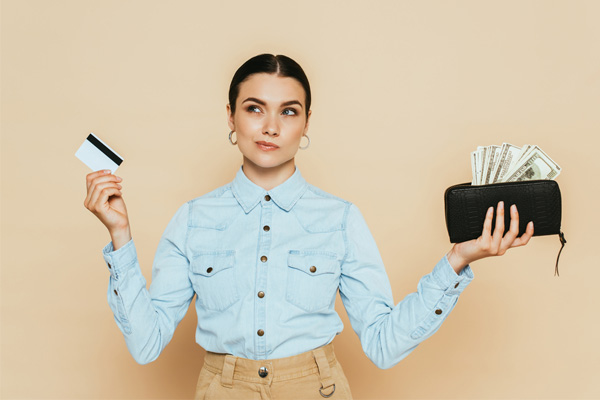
x: 266, y: 267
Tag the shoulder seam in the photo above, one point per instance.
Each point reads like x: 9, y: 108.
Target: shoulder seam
x: 215, y: 193
x: 322, y: 193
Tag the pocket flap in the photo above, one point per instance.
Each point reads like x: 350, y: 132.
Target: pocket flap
x: 313, y: 262
x: 211, y: 263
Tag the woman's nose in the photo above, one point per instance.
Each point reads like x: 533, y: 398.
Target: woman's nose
x: 271, y: 127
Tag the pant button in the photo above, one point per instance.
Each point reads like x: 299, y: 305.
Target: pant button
x: 263, y: 372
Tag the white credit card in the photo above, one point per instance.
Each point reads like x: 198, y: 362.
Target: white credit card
x: 98, y: 155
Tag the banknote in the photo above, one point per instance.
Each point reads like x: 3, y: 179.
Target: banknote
x: 474, y: 167
x: 491, y: 158
x: 481, y: 155
x: 535, y: 164
x: 524, y: 150
x: 509, y: 163
x: 508, y: 153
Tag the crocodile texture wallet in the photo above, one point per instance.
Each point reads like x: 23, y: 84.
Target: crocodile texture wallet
x: 537, y: 200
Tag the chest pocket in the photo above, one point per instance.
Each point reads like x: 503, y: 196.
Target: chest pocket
x: 213, y: 278
x: 312, y: 279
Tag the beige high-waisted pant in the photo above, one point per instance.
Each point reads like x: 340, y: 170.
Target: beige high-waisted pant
x: 315, y: 374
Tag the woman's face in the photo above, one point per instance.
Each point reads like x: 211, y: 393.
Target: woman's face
x: 269, y: 120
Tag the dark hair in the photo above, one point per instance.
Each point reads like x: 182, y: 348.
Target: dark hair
x: 270, y: 64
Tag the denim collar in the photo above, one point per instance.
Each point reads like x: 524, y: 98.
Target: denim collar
x: 285, y: 195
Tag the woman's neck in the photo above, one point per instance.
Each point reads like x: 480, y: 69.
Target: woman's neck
x: 268, y: 178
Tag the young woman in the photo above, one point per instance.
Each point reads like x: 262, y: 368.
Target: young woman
x: 266, y: 255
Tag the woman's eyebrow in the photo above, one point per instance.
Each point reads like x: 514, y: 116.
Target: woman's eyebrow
x: 254, y: 99
x: 262, y: 103
x: 291, y: 102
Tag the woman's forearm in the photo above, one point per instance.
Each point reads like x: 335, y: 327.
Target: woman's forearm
x: 120, y: 237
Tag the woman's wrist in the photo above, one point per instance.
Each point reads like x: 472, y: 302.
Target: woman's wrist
x: 456, y: 261
x: 120, y: 237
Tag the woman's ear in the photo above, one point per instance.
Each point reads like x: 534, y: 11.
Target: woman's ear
x: 307, y: 122
x: 230, y: 118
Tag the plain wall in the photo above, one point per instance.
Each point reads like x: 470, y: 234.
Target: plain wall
x: 403, y: 92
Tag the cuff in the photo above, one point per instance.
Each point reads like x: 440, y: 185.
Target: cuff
x: 119, y: 261
x: 448, y: 280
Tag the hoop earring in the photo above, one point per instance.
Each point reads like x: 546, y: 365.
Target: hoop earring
x: 231, y: 141
x: 308, y: 144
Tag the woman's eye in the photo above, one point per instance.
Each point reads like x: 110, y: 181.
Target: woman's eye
x: 253, y: 109
x: 289, y: 111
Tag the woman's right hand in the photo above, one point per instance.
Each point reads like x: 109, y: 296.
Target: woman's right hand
x: 104, y: 199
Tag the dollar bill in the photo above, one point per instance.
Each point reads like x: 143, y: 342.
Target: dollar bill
x: 491, y: 157
x: 481, y: 154
x: 524, y: 151
x: 534, y: 164
x: 507, y: 163
x: 509, y: 155
x: 474, y: 168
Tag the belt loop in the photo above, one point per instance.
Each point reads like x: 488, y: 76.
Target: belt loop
x: 324, y: 372
x: 227, y: 372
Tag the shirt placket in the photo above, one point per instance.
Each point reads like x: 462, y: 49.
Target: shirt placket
x: 262, y: 265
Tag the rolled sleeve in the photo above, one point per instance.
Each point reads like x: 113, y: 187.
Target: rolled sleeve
x: 121, y: 260
x: 448, y: 280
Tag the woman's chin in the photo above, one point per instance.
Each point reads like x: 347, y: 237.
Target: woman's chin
x: 268, y: 163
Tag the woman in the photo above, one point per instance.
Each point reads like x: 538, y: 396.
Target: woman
x: 266, y: 254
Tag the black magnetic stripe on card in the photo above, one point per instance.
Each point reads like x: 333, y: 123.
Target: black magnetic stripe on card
x: 100, y: 146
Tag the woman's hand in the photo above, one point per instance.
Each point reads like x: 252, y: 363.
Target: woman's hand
x: 489, y: 244
x: 104, y: 199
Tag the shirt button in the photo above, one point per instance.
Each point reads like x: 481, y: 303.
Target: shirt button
x: 261, y: 294
x: 266, y: 228
x: 438, y: 311
x: 260, y: 332
x: 268, y: 198
x: 263, y: 372
x: 455, y: 286
x: 109, y: 266
x: 263, y: 259
x: 209, y: 270
x: 313, y: 269
x: 116, y: 293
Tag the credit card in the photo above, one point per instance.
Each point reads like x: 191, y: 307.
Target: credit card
x: 98, y: 155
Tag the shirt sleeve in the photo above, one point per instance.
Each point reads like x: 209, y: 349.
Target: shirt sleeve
x: 148, y: 318
x: 389, y: 333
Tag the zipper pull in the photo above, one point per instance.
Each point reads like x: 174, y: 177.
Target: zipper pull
x: 561, y: 236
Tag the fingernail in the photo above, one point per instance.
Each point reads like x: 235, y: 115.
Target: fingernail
x: 107, y: 171
x: 490, y: 210
x: 119, y: 178
x: 513, y: 208
x: 501, y: 205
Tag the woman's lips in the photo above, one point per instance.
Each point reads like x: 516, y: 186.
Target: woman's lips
x: 267, y: 146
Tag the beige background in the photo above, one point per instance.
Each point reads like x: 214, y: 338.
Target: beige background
x: 403, y: 92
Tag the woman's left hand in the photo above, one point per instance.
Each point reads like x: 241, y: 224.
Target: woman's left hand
x: 489, y: 244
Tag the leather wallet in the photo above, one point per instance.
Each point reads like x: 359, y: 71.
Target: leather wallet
x: 537, y: 200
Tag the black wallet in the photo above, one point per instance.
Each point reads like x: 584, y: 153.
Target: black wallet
x: 537, y: 200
